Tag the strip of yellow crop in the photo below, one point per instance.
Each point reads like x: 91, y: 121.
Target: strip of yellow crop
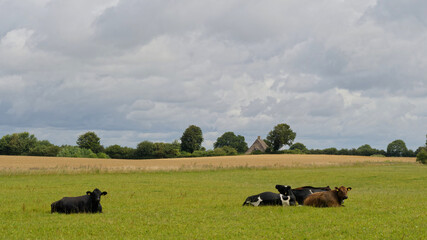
x: 25, y: 164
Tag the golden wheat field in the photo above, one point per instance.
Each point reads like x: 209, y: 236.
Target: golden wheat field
x: 28, y: 163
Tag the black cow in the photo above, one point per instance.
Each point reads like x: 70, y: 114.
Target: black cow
x: 89, y: 203
x: 302, y: 193
x: 285, y: 198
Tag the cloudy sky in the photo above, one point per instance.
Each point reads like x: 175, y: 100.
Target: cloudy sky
x: 341, y: 73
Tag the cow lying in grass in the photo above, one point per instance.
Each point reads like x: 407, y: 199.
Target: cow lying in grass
x: 285, y: 198
x: 302, y: 193
x: 89, y: 203
x: 332, y: 198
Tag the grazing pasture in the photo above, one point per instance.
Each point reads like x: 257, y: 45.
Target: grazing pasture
x: 388, y: 201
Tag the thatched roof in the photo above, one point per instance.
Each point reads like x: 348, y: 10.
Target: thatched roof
x: 259, y: 145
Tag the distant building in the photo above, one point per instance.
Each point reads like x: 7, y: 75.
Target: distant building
x: 259, y: 145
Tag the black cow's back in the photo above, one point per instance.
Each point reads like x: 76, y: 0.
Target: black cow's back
x: 303, y: 192
x: 81, y: 204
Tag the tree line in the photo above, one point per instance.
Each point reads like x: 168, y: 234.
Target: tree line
x: 190, y: 145
x: 396, y: 148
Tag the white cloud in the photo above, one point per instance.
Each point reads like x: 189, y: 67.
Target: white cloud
x: 16, y: 39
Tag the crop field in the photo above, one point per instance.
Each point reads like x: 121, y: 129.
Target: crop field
x: 388, y: 200
x: 55, y: 164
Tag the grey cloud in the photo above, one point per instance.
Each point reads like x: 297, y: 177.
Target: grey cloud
x: 16, y: 14
x: 313, y: 57
x: 398, y: 12
x: 132, y: 22
x: 259, y: 106
x: 339, y: 72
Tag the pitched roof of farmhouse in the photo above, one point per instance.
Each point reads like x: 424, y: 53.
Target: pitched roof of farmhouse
x: 259, y: 145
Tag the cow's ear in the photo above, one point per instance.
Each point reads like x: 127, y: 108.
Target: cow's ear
x: 349, y: 188
x: 88, y: 192
x: 104, y: 193
x: 336, y: 189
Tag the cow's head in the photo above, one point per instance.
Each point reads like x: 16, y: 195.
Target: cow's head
x: 287, y: 191
x: 96, y: 194
x: 342, y: 192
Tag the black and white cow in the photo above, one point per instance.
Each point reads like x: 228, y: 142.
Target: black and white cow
x: 302, y: 193
x: 89, y: 203
x: 284, y: 198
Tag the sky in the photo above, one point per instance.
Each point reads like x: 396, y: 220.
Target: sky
x: 340, y: 73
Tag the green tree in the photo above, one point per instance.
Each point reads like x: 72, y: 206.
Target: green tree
x: 330, y: 151
x: 145, y: 149
x: 90, y: 141
x: 281, y: 135
x: 191, y: 139
x: 397, y: 148
x: 17, y: 143
x: 343, y: 151
x: 422, y: 153
x: 119, y: 152
x: 298, y: 146
x: 231, y: 140
x: 365, y: 150
x: 165, y: 150
x: 422, y: 156
x: 44, y: 148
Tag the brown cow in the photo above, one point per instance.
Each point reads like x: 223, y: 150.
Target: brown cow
x: 332, y: 198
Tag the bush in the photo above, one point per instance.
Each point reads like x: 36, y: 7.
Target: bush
x: 102, y: 155
x: 216, y: 152
x: 229, y: 150
x: 199, y: 153
x: 219, y: 152
x: 377, y: 155
x: 76, y: 152
x: 257, y: 152
x: 422, y: 156
x: 294, y: 151
x: 184, y: 154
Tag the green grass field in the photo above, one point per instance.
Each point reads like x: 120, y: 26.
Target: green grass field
x: 388, y: 201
